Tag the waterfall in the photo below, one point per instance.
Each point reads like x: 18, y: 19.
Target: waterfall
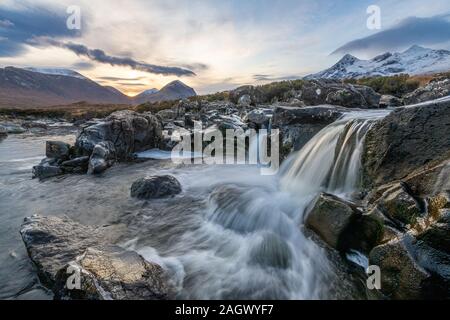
x: 331, y: 160
x: 248, y: 241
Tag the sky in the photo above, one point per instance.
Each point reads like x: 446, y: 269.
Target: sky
x: 210, y: 45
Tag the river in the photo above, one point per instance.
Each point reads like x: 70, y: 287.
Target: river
x: 231, y: 234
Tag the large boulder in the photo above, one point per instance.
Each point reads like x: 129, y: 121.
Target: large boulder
x: 253, y: 95
x: 433, y: 252
x: 317, y: 92
x: 298, y: 125
x: 401, y: 276
x: 109, y: 272
x: 128, y: 131
x: 436, y: 89
x: 53, y: 242
x: 155, y: 187
x: 59, y: 247
x: 342, y: 225
x: 409, y: 139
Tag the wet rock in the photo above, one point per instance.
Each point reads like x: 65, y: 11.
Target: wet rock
x: 57, y: 150
x: 409, y: 139
x: 128, y: 131
x: 434, y: 90
x: 76, y: 166
x: 53, y: 242
x: 298, y: 125
x: 433, y: 253
x: 109, y: 272
x: 342, y: 225
x: 388, y: 101
x: 401, y: 276
x: 155, y: 187
x: 102, y: 157
x: 106, y: 271
x: 400, y: 206
x: 46, y: 169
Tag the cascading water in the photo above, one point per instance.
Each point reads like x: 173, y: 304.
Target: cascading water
x: 331, y: 161
x: 249, y: 243
x: 231, y: 234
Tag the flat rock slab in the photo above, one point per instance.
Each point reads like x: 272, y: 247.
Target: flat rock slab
x: 60, y: 246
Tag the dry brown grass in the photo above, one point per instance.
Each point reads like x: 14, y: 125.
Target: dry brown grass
x: 71, y: 112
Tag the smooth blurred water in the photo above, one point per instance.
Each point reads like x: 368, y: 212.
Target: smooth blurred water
x: 231, y: 234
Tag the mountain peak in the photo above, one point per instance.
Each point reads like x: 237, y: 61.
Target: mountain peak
x: 416, y: 49
x: 416, y: 60
x: 174, y: 90
x: 347, y: 59
x: 176, y: 83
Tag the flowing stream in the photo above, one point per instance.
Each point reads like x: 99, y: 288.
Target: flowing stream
x: 231, y: 234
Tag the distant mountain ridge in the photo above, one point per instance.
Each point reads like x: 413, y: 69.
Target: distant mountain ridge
x: 416, y: 60
x: 172, y: 91
x: 36, y: 87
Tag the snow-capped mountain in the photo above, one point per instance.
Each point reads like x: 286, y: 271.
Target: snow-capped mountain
x: 415, y: 60
x: 57, y: 72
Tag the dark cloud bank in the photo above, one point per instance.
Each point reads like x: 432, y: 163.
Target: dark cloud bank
x: 413, y: 30
x: 43, y: 27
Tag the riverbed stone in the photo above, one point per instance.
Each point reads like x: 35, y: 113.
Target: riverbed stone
x: 112, y: 273
x: 106, y: 271
x: 155, y: 187
x: 342, y: 225
x: 57, y: 150
x: 102, y: 157
x: 401, y: 276
x: 46, y: 169
x: 400, y: 206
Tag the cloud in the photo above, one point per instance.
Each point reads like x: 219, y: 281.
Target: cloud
x: 6, y: 23
x: 120, y: 78
x: 134, y: 84
x: 18, y: 24
x: 102, y: 57
x: 267, y: 77
x: 413, y: 30
x: 83, y: 65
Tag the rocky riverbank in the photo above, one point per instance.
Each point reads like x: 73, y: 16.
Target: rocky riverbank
x: 398, y: 220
